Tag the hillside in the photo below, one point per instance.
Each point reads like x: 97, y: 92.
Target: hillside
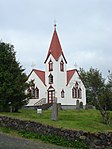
x: 86, y: 120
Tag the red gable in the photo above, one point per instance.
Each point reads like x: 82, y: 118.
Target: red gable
x: 55, y: 48
x: 70, y: 73
x: 40, y: 74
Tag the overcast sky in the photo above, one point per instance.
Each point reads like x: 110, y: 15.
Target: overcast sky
x: 84, y: 28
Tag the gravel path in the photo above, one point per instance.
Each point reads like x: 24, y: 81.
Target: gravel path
x: 12, y: 142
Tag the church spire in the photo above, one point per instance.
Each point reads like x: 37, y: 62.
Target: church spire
x: 55, y: 47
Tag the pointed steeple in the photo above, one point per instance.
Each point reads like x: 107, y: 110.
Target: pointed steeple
x: 55, y: 47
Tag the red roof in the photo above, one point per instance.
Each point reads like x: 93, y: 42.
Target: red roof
x: 70, y: 73
x: 55, y: 48
x: 40, y: 74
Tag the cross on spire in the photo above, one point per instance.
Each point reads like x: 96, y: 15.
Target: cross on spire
x: 54, y: 24
x: 75, y: 65
x: 33, y: 65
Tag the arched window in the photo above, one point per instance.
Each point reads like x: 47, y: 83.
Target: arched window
x: 61, y: 65
x: 36, y: 93
x: 79, y: 93
x: 76, y: 91
x: 50, y: 65
x: 33, y: 91
x: 62, y: 94
x: 50, y: 79
x: 73, y: 92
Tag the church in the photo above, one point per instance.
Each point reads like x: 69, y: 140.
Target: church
x: 56, y: 83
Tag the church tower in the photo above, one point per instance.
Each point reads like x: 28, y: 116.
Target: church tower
x: 55, y: 74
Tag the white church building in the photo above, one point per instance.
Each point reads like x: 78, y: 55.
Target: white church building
x: 56, y: 83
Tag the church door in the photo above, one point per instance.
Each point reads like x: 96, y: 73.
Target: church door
x: 51, y: 95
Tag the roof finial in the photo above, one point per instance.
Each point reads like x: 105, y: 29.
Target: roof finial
x: 75, y: 65
x: 54, y: 24
x: 33, y: 65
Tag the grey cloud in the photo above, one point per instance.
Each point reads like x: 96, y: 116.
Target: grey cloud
x: 84, y: 28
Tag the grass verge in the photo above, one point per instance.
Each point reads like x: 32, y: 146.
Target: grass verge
x: 47, y: 139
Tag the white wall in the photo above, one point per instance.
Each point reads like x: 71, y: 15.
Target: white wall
x: 69, y: 99
x: 39, y: 84
x: 59, y: 77
x: 60, y: 81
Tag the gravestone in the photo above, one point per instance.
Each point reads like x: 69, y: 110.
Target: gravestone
x: 54, y: 115
x: 81, y: 105
x: 77, y: 105
x: 59, y: 106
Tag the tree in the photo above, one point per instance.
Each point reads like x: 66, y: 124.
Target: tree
x: 98, y: 93
x: 12, y: 80
x: 108, y: 93
x: 93, y: 82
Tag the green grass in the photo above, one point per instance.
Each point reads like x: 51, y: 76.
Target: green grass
x: 45, y: 138
x: 86, y: 120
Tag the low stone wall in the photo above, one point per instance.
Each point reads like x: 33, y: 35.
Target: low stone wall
x: 95, y: 140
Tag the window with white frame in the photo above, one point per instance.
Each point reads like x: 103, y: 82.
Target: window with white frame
x: 50, y: 79
x: 76, y: 91
x: 36, y: 93
x: 50, y: 65
x: 61, y: 65
x: 79, y: 93
x: 62, y: 94
x: 33, y: 91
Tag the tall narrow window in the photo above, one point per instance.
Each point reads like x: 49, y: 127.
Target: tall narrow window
x: 73, y: 92
x: 61, y: 65
x: 50, y: 65
x: 36, y: 93
x: 76, y: 91
x: 50, y: 79
x: 79, y: 93
x: 33, y: 91
x: 62, y: 94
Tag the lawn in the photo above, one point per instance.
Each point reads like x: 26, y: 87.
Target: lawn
x: 86, y: 120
